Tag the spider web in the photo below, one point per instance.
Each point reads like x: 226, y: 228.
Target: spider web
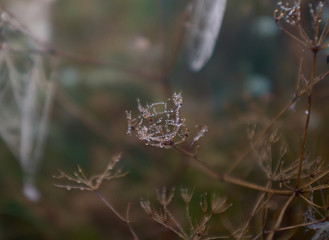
x: 26, y: 93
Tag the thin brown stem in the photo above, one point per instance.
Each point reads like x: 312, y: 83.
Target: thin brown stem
x: 203, y: 166
x: 261, y: 135
x: 296, y: 226
x: 324, y: 32
x: 324, y: 45
x: 304, y: 35
x: 256, y: 207
x: 46, y: 48
x: 177, y: 224
x: 308, y: 115
x: 219, y: 237
x: 274, y: 120
x: 293, y: 36
x: 243, y: 183
x: 311, y: 203
x: 171, y: 229
x: 229, y: 179
x: 280, y: 217
x: 315, y: 179
x: 317, y: 188
x: 116, y: 213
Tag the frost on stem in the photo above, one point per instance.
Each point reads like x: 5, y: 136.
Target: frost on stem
x: 321, y: 229
x: 159, y: 124
x: 290, y: 15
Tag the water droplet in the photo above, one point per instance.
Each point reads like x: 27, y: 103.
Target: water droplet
x: 68, y: 188
x: 293, y: 107
x: 307, y: 112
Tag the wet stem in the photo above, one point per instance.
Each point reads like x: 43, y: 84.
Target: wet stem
x: 308, y: 115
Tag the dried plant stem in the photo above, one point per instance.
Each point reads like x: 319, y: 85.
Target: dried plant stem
x: 82, y: 115
x: 280, y: 217
x: 308, y: 115
x: 219, y: 237
x: 203, y: 166
x: 229, y: 179
x: 125, y: 220
x: 295, y: 37
x: 325, y: 31
x: 177, y: 224
x: 311, y: 203
x: 254, y: 210
x: 319, y: 187
x: 275, y: 119
x: 317, y: 178
x: 261, y: 135
x: 243, y: 183
x: 178, y: 233
x: 296, y: 226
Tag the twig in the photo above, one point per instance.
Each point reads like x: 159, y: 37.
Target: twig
x: 296, y: 226
x: 308, y: 115
x: 230, y: 179
x: 280, y: 217
x: 100, y: 196
x: 253, y: 212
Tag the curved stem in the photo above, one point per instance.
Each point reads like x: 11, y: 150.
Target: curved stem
x: 100, y: 196
x: 229, y: 179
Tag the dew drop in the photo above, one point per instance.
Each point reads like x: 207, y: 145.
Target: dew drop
x: 68, y: 188
x: 293, y: 107
x: 307, y: 112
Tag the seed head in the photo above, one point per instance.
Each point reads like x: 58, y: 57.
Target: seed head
x: 291, y: 14
x: 159, y: 124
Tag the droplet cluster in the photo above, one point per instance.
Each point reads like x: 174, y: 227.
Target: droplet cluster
x: 159, y: 124
x: 290, y: 13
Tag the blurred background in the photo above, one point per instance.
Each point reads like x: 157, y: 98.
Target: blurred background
x: 102, y: 56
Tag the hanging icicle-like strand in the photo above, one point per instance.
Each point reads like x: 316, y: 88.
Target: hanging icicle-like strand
x: 203, y: 31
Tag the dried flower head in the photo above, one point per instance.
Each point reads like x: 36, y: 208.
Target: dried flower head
x: 186, y: 195
x: 146, y: 205
x: 164, y: 198
x: 81, y: 182
x: 291, y: 14
x: 159, y: 124
x: 218, y: 204
x: 161, y: 216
